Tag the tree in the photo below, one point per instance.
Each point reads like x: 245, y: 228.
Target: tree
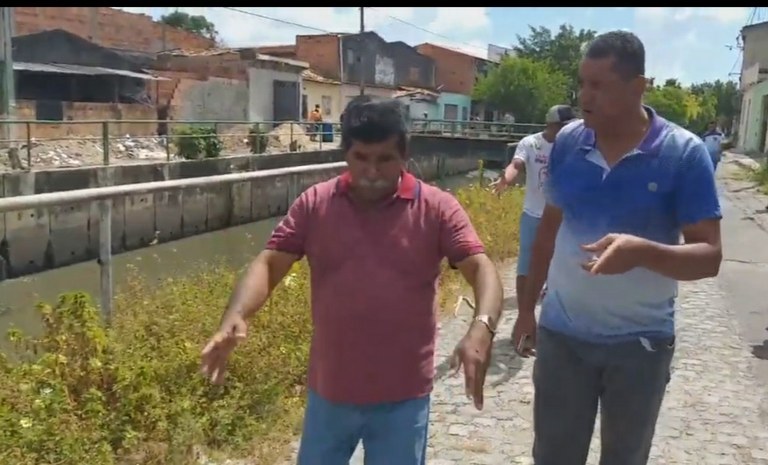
x: 525, y: 87
x: 563, y: 50
x: 682, y: 106
x: 670, y: 102
x: 196, y: 24
x: 727, y: 100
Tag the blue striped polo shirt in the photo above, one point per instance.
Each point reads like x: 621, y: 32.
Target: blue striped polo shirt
x: 652, y: 192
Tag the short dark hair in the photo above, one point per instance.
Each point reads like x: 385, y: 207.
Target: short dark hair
x: 624, y: 47
x: 367, y: 121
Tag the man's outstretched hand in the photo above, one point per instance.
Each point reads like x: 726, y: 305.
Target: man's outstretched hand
x: 216, y: 353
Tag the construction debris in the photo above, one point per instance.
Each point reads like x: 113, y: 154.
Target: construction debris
x: 292, y: 137
x: 83, y: 152
x: 88, y: 151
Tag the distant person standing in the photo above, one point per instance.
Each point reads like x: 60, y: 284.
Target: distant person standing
x: 532, y: 155
x: 316, y: 119
x: 713, y: 139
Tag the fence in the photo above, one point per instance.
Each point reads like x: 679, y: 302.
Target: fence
x: 38, y: 144
x: 105, y: 195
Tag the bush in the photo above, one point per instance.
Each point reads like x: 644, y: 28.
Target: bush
x: 83, y: 394
x: 195, y: 142
x: 257, y: 139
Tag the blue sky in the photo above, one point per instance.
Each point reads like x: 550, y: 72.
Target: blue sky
x: 684, y: 43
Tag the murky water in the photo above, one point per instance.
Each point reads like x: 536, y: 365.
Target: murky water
x: 233, y: 246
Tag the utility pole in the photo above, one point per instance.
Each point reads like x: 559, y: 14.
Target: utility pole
x: 8, y: 101
x: 361, y: 58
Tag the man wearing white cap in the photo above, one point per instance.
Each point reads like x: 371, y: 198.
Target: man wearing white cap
x: 532, y: 155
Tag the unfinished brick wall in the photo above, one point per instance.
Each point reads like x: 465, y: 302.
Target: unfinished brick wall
x: 321, y: 52
x: 455, y: 71
x: 97, y: 112
x: 184, y: 72
x: 224, y: 64
x: 108, y: 27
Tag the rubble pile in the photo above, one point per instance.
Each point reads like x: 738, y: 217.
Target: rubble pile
x: 88, y: 151
x: 280, y: 139
x: 282, y: 136
x: 85, y: 151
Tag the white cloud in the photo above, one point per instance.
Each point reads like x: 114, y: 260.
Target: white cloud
x: 467, y: 28
x: 667, y: 15
x: 672, y: 35
x: 457, y: 20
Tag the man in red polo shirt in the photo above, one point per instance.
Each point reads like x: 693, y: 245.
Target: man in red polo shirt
x: 374, y: 238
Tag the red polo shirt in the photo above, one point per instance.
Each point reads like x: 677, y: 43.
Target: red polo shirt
x: 373, y: 282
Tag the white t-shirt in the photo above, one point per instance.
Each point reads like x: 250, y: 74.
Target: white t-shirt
x: 534, y: 151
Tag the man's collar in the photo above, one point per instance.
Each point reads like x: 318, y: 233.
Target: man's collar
x: 650, y: 144
x: 408, y: 188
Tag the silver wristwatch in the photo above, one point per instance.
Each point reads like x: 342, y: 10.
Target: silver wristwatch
x: 486, y: 321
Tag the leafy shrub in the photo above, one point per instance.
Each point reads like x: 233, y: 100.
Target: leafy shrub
x: 131, y: 394
x: 195, y: 142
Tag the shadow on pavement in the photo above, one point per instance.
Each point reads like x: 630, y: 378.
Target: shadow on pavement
x: 761, y: 351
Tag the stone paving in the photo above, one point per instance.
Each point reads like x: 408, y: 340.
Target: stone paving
x: 709, y: 415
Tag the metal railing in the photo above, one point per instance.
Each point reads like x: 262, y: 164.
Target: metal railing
x: 37, y: 144
x: 474, y: 129
x: 105, y: 195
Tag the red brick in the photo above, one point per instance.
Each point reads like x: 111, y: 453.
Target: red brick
x: 115, y: 28
x: 455, y: 71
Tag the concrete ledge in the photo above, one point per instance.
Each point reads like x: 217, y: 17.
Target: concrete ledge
x: 45, y: 238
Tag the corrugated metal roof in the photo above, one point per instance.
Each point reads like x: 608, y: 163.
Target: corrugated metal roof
x: 81, y: 70
x: 310, y: 75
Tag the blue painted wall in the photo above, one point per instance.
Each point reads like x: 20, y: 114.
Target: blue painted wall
x: 460, y: 100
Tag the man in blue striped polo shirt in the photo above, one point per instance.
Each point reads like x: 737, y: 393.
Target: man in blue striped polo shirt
x: 624, y: 185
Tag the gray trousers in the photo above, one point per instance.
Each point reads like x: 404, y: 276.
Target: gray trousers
x: 570, y: 377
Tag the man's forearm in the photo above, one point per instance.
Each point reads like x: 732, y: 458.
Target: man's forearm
x: 254, y: 288
x: 687, y: 262
x: 489, y: 292
x: 510, y: 173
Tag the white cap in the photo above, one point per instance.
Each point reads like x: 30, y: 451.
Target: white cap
x: 560, y: 114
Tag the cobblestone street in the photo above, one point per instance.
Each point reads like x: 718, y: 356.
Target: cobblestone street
x: 711, y: 413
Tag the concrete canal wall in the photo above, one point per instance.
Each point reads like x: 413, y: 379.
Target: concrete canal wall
x: 35, y: 240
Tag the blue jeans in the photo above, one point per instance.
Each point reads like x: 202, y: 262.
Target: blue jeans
x: 570, y: 377
x: 392, y: 433
x: 528, y: 226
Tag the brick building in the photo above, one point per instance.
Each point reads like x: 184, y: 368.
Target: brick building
x: 385, y: 67
x: 108, y: 27
x: 455, y: 71
x: 61, y: 76
x: 455, y: 75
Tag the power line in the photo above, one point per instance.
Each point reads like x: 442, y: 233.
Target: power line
x: 323, y: 31
x: 277, y: 20
x: 407, y: 23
